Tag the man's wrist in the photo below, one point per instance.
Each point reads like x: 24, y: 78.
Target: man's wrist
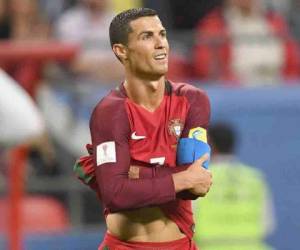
x: 181, y: 181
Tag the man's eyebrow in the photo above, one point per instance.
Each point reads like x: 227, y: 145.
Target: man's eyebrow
x: 150, y: 32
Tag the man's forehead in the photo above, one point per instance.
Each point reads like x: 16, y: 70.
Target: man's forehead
x: 148, y: 23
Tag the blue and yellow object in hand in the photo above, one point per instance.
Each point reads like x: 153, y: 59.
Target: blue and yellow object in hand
x: 192, y: 148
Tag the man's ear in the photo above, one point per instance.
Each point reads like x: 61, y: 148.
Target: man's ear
x: 120, y: 51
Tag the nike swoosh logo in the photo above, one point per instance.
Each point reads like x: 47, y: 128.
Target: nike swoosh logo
x: 137, y: 137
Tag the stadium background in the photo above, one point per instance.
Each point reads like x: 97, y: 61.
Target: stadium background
x: 66, y: 215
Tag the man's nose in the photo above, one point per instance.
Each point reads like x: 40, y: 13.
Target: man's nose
x: 159, y: 42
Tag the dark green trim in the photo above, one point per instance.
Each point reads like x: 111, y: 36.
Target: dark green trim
x: 80, y: 173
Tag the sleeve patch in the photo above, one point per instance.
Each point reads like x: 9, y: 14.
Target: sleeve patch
x: 106, y: 153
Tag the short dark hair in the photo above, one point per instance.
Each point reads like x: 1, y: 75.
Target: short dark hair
x: 222, y: 137
x: 120, y: 26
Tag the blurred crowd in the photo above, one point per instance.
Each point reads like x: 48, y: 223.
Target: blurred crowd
x: 221, y: 42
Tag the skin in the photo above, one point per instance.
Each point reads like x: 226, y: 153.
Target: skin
x: 145, y: 59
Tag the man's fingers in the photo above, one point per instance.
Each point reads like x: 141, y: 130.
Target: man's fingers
x: 202, y: 159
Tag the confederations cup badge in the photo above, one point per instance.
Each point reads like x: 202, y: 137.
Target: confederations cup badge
x: 175, y: 127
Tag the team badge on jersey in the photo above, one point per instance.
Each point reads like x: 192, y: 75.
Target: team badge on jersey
x: 175, y: 127
x: 199, y: 134
x: 106, y: 152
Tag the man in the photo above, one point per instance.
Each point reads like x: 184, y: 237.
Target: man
x: 236, y: 215
x: 135, y: 130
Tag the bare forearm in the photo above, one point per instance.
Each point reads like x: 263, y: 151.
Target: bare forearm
x: 181, y: 181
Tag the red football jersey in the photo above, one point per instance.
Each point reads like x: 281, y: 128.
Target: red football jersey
x: 124, y: 133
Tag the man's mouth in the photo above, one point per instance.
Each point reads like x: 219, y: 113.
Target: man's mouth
x: 160, y: 56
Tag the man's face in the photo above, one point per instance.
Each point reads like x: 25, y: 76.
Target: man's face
x: 148, y: 47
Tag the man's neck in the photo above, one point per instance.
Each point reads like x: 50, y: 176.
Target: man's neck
x: 146, y: 93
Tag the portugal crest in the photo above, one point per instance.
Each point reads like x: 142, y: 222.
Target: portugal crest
x: 175, y: 127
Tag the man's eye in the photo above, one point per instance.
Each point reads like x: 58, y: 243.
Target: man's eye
x: 147, y: 36
x: 163, y: 34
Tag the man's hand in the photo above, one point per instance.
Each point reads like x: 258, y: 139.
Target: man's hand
x: 196, y: 179
x: 204, y: 177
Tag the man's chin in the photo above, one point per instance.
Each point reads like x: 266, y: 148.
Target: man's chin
x: 162, y: 70
x: 155, y: 74
x: 161, y: 73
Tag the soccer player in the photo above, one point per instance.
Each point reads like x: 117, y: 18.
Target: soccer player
x: 135, y: 130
